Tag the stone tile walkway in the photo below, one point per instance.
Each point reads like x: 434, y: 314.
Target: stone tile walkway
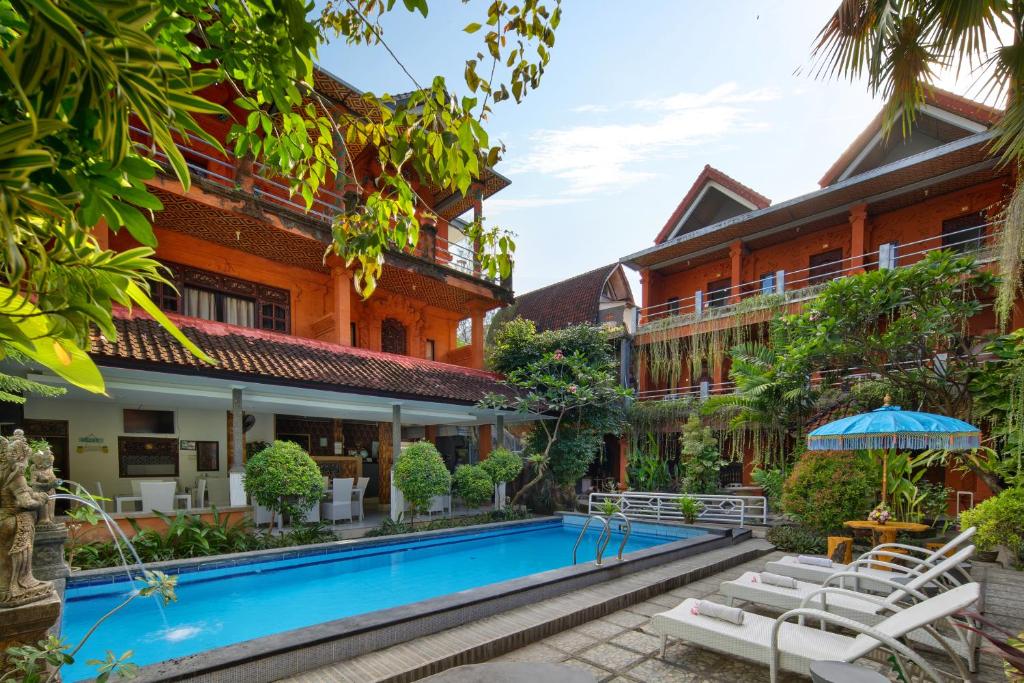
x: 621, y: 646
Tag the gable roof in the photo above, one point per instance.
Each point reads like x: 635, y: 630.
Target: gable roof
x: 573, y: 301
x: 274, y: 358
x: 707, y: 176
x: 966, y: 108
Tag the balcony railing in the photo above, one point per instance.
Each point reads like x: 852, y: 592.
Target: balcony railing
x: 229, y: 172
x: 799, y: 285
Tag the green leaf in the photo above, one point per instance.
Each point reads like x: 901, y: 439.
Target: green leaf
x: 472, y: 27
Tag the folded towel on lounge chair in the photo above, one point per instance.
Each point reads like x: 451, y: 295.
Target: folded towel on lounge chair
x: 777, y: 580
x: 734, y: 615
x: 814, y: 560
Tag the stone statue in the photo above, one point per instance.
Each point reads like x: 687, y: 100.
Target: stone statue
x: 18, y: 508
x: 44, y: 480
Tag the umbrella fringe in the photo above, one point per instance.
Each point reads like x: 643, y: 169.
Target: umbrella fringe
x: 907, y: 440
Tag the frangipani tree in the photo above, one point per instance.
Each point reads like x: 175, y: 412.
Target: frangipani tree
x: 76, y: 76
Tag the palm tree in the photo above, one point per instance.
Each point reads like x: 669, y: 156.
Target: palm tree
x: 772, y: 401
x: 900, y: 46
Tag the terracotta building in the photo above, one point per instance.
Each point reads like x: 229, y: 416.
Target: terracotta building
x: 300, y: 355
x: 885, y: 203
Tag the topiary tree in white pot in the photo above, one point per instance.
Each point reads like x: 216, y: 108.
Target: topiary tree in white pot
x: 503, y: 465
x: 420, y: 474
x: 284, y: 479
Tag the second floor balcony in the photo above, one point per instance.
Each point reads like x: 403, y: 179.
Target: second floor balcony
x: 726, y: 304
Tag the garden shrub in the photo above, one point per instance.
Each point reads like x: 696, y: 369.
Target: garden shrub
x: 503, y: 465
x: 420, y: 474
x: 283, y: 478
x: 797, y: 539
x: 699, y: 459
x: 1000, y: 521
x: 771, y: 482
x: 827, y: 488
x: 389, y: 527
x: 473, y: 484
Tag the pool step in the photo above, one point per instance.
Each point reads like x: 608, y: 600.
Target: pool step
x: 490, y: 637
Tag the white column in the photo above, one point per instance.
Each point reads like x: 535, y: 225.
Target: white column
x: 236, y: 476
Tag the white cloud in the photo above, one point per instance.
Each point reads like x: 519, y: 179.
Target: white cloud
x: 594, y: 158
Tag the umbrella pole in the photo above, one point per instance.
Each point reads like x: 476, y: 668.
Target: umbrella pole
x: 885, y: 475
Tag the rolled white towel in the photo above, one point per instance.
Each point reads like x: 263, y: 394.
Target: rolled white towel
x: 777, y: 580
x: 815, y: 560
x: 734, y: 615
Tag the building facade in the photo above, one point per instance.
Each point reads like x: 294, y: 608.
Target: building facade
x: 885, y: 203
x: 300, y: 355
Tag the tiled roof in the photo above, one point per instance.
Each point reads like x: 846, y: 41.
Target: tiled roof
x: 569, y: 302
x: 710, y: 174
x: 273, y: 358
x: 941, y: 99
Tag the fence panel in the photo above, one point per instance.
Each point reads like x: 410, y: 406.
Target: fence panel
x: 658, y: 507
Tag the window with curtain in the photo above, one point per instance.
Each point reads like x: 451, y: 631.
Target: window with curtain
x: 211, y: 296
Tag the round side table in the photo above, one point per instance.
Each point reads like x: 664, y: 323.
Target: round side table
x: 841, y: 672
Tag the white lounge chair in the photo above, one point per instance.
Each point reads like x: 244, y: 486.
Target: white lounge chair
x: 780, y: 644
x: 862, y: 607
x: 338, y: 506
x: 867, y: 565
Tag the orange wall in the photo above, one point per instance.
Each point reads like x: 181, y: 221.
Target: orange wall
x: 312, y: 295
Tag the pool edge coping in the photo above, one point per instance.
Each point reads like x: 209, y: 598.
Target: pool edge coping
x: 227, y: 657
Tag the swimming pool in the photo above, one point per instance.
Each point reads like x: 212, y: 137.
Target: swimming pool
x: 227, y: 605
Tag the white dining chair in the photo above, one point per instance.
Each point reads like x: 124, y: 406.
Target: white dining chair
x: 157, y: 495
x: 327, y: 483
x: 200, y: 492
x: 339, y: 505
x: 358, y: 493
x: 136, y: 490
x: 262, y: 515
x: 312, y: 515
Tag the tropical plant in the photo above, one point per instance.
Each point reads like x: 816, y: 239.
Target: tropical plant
x: 998, y: 391
x: 935, y: 500
x: 569, y: 375
x: 473, y: 484
x: 44, y: 660
x: 420, y: 474
x: 690, y: 508
x: 771, y: 482
x: 390, y: 527
x: 646, y: 470
x: 1000, y: 521
x: 901, y: 47
x: 609, y: 507
x: 772, y: 401
x: 503, y: 465
x: 797, y: 539
x: 699, y: 460
x: 284, y: 479
x: 70, y: 164
x: 827, y: 488
x: 1003, y: 644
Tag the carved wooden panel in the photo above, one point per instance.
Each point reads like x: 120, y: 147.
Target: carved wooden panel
x: 143, y: 456
x: 386, y: 457
x: 393, y: 338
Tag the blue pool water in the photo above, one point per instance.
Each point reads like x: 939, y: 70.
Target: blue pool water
x: 225, y: 606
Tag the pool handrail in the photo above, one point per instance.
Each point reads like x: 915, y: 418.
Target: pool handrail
x: 625, y: 536
x: 590, y: 518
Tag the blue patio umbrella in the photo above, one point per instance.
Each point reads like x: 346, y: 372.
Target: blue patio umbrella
x: 891, y: 427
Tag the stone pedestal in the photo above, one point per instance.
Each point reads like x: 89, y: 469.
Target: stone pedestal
x: 48, y: 552
x: 26, y: 625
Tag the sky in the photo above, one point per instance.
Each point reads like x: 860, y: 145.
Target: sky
x: 637, y: 98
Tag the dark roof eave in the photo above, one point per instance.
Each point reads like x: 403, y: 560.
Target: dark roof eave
x: 638, y: 260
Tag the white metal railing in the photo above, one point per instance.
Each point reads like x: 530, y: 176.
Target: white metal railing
x: 801, y: 284
x: 223, y: 168
x: 659, y: 507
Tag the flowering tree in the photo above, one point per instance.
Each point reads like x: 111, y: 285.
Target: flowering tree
x: 574, y: 387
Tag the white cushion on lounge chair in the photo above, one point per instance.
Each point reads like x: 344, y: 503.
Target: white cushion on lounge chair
x: 751, y: 640
x: 800, y: 645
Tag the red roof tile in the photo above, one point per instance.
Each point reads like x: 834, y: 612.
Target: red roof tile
x: 273, y: 358
x: 710, y: 174
x: 570, y: 302
x: 942, y: 99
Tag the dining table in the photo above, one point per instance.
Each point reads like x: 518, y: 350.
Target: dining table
x: 886, y: 533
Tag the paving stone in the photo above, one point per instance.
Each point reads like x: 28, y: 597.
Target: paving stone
x: 538, y: 652
x: 611, y: 657
x: 597, y: 672
x: 647, y: 608
x: 656, y: 670
x: 571, y: 641
x: 626, y: 619
x: 667, y: 601
x: 638, y: 641
x: 600, y: 629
